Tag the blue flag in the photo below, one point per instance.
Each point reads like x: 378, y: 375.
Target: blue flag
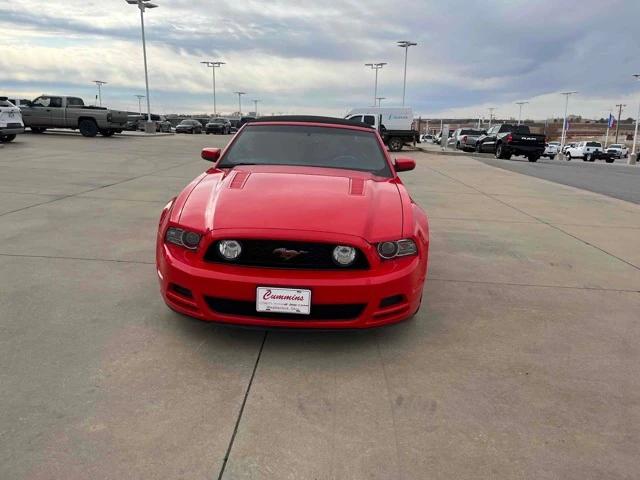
x: 612, y: 121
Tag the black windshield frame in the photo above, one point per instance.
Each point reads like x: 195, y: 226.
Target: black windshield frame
x: 349, y: 145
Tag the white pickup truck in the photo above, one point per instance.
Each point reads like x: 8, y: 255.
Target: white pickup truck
x: 589, y: 152
x: 618, y: 150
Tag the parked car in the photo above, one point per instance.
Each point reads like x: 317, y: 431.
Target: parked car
x: 189, y: 126
x: 465, y: 138
x: 589, y: 152
x: 426, y: 137
x: 551, y: 149
x: 235, y: 125
x: 218, y: 125
x: 133, y: 122
x: 161, y: 122
x: 10, y: 121
x: 395, y: 125
x: 618, y: 150
x: 506, y: 140
x: 48, y: 111
x: 567, y: 146
x: 361, y: 264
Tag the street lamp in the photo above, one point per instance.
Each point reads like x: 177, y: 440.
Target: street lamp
x: 520, y: 104
x: 376, y: 67
x: 99, y: 83
x: 633, y: 158
x: 213, y: 66
x: 491, y: 109
x: 380, y: 100
x: 564, y: 122
x: 142, y: 6
x: 240, y: 101
x: 405, y: 44
x: 255, y: 104
x: 140, y: 97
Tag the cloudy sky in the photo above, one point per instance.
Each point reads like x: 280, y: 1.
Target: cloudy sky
x: 304, y: 56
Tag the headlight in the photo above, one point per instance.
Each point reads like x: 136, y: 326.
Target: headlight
x: 183, y: 238
x: 344, y: 255
x: 229, y: 249
x: 400, y: 248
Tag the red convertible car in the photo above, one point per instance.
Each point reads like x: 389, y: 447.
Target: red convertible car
x: 301, y: 222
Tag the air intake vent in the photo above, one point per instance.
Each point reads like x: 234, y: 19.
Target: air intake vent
x: 239, y: 179
x: 357, y: 186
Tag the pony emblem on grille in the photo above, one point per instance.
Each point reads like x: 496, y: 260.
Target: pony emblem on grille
x: 286, y: 254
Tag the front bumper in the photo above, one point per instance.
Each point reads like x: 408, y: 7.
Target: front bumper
x: 11, y: 130
x: 227, y: 293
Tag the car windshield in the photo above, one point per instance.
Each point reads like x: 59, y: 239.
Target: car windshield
x: 6, y: 103
x: 470, y: 131
x: 615, y: 145
x: 187, y: 122
x: 217, y: 120
x: 557, y: 144
x: 310, y: 146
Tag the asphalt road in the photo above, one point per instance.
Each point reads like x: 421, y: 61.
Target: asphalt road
x: 616, y: 180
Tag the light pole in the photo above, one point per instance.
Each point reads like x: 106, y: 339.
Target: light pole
x: 520, y: 104
x: 213, y: 66
x: 142, y: 6
x: 564, y: 122
x: 633, y: 157
x: 620, y: 106
x: 255, y: 106
x: 606, y: 137
x: 99, y: 83
x: 491, y: 109
x: 376, y: 67
x: 405, y: 44
x: 380, y: 100
x: 140, y: 97
x: 240, y: 101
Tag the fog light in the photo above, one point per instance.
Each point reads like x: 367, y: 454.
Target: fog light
x: 344, y: 255
x: 229, y: 249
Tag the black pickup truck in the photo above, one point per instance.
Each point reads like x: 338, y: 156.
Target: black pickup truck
x: 506, y: 140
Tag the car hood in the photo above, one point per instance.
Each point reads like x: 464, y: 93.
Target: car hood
x: 296, y: 198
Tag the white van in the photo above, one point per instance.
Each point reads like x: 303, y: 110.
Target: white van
x: 393, y: 123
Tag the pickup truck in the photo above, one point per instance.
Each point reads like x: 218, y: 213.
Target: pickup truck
x: 49, y: 111
x: 618, y: 150
x: 506, y: 140
x: 589, y: 152
x: 465, y: 138
x: 394, y: 124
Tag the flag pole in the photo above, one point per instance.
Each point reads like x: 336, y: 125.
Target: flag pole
x: 606, y: 138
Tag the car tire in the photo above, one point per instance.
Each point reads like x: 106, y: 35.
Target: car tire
x: 587, y: 157
x: 568, y: 155
x: 610, y: 160
x: 552, y: 157
x: 37, y: 129
x: 395, y: 144
x: 478, y: 148
x: 88, y: 128
x: 107, y: 133
x: 499, y: 151
x: 7, y: 138
x: 533, y: 158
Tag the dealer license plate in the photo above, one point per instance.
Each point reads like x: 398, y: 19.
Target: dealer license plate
x: 283, y: 300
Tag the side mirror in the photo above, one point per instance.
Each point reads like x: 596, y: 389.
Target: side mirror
x: 210, y: 154
x: 404, y: 164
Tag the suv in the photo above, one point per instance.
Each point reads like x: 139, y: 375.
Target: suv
x: 218, y: 125
x: 10, y: 121
x: 551, y: 150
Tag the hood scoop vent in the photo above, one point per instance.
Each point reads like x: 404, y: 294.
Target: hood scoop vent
x: 357, y: 186
x: 239, y: 179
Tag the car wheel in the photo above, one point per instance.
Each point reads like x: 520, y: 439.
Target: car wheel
x: 552, y: 157
x: 587, y: 158
x: 88, y: 128
x: 37, y: 129
x: 107, y: 133
x: 395, y: 144
x: 609, y: 160
x: 568, y: 157
x: 7, y: 138
x: 499, y: 151
x: 533, y: 158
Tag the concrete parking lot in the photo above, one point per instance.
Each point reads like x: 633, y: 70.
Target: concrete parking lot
x: 522, y: 363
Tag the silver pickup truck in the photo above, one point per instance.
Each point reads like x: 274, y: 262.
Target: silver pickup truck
x: 49, y: 111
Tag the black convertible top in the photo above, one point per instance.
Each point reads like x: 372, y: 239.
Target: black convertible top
x: 311, y: 119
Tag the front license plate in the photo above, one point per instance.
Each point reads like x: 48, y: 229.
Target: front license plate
x: 283, y: 300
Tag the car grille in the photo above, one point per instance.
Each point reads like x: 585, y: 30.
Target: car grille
x: 242, y: 308
x: 260, y: 253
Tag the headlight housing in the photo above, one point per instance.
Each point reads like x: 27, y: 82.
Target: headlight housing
x: 398, y: 248
x: 344, y: 255
x: 183, y: 238
x: 229, y: 249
